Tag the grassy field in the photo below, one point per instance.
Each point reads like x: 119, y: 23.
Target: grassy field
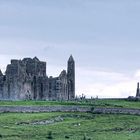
x: 73, y: 126
x: 95, y: 103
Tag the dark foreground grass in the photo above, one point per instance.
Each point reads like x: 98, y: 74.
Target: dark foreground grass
x: 75, y: 126
x: 94, y: 103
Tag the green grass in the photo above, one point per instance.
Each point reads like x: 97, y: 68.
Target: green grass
x: 95, y: 103
x: 36, y: 103
x: 18, y: 126
x: 94, y: 126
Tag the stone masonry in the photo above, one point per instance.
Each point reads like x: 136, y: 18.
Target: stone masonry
x: 27, y: 80
x: 138, y: 91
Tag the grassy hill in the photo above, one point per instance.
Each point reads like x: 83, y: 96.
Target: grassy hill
x: 68, y: 125
x: 72, y: 126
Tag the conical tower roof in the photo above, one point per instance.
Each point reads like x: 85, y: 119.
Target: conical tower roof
x: 71, y: 59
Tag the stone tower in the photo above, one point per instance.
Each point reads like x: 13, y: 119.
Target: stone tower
x: 71, y: 78
x: 138, y: 90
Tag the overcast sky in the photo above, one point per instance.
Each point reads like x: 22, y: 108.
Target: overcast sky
x: 102, y: 35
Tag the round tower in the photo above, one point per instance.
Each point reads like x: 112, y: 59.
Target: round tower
x: 71, y: 78
x: 138, y: 90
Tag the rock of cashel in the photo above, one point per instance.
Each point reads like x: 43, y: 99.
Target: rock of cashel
x: 26, y: 79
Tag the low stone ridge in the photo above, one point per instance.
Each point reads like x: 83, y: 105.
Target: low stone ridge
x: 43, y: 122
x: 31, y: 109
x: 38, y: 109
x: 56, y: 119
x: 117, y: 111
x: 27, y: 80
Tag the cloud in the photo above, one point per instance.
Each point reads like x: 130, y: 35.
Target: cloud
x: 137, y: 74
x: 105, y: 84
x: 102, y: 90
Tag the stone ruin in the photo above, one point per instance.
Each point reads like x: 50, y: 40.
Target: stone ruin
x: 27, y: 80
x: 137, y: 97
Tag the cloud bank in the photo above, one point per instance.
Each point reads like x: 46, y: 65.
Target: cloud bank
x: 103, y: 37
x: 106, y: 84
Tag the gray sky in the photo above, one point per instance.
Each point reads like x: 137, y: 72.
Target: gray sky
x: 102, y: 35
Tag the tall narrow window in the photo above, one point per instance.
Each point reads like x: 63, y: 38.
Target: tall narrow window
x: 41, y: 91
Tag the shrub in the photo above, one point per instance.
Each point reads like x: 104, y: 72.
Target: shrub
x: 67, y: 137
x: 92, y: 108
x: 50, y: 135
x: 86, y: 138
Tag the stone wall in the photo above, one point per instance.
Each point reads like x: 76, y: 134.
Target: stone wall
x: 32, y: 109
x: 38, y: 109
x: 117, y: 111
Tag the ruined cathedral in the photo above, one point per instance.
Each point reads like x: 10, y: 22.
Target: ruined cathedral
x: 27, y: 80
